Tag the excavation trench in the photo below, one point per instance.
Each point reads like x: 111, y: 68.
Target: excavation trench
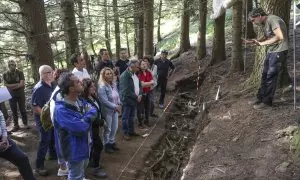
x: 184, y: 120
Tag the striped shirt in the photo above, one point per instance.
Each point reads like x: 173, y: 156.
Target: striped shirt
x: 3, y: 130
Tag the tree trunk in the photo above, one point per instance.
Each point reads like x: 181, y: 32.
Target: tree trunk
x: 89, y: 66
x: 140, y: 27
x: 250, y: 30
x: 237, y: 63
x: 127, y: 39
x: 185, y: 27
x: 90, y: 28
x: 117, y: 28
x: 70, y: 29
x: 148, y: 27
x: 218, y: 50
x: 281, y: 9
x: 201, y: 40
x: 37, y: 37
x: 158, y: 21
x: 106, y: 33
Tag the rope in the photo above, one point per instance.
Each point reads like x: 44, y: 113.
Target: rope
x: 294, y: 54
x: 246, y: 29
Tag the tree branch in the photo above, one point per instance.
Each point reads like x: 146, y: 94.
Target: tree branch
x: 15, y: 22
x: 12, y: 29
x: 14, y: 1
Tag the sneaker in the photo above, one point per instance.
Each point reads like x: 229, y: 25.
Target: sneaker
x: 41, y: 172
x: 134, y: 134
x: 15, y: 129
x: 161, y: 106
x: 126, y: 137
x: 154, y: 115
x: 254, y: 102
x: 114, y: 147
x: 62, y: 172
x: 261, y: 106
x: 100, y: 173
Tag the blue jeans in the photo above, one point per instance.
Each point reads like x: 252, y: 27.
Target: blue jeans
x: 76, y: 170
x: 14, y: 155
x: 128, y: 114
x: 46, y: 143
x: 110, y: 130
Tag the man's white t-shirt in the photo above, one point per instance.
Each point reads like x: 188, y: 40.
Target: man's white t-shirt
x: 81, y: 74
x: 136, y: 82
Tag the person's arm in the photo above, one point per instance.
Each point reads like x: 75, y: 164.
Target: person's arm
x: 172, y: 68
x: 73, y: 122
x: 125, y: 90
x: 36, y: 102
x: 104, y: 99
x: 8, y: 85
x: 278, y: 37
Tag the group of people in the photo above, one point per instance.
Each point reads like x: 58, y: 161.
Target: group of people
x: 81, y: 107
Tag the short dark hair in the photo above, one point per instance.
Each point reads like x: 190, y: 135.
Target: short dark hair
x: 73, y: 58
x: 123, y: 49
x: 164, y: 52
x: 101, y: 51
x: 58, y: 72
x: 150, y: 59
x: 65, y: 82
x: 257, y: 12
x: 87, y: 82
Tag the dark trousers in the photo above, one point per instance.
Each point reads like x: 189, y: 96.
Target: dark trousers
x: 3, y: 109
x: 144, y: 108
x: 128, y: 114
x: 272, y: 66
x: 47, y: 143
x: 162, y: 84
x: 97, y: 147
x: 14, y: 155
x: 152, y: 98
x: 14, y: 102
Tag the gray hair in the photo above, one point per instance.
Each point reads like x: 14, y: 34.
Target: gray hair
x: 132, y: 62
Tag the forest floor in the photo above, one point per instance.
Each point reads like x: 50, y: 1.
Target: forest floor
x: 198, y: 137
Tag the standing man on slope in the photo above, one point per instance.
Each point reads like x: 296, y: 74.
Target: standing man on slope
x: 276, y: 39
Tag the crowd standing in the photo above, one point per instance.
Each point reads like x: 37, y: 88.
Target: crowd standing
x: 77, y: 116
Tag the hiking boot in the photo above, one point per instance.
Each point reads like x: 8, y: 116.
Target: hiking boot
x: 15, y: 129
x: 100, y: 173
x: 114, y: 147
x: 41, y: 172
x: 134, y: 134
x: 261, y: 106
x: 161, y: 106
x: 154, y: 115
x: 62, y: 172
x: 108, y: 149
x: 126, y: 137
x: 254, y: 102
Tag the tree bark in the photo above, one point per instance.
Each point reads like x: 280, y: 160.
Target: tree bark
x: 250, y: 30
x: 139, y: 6
x: 201, y: 40
x: 70, y: 29
x: 158, y: 21
x: 281, y: 9
x: 185, y: 27
x: 89, y: 66
x: 117, y: 28
x: 127, y: 38
x: 237, y: 63
x: 148, y: 27
x: 218, y: 50
x: 37, y: 37
x: 106, y: 33
x: 91, y: 37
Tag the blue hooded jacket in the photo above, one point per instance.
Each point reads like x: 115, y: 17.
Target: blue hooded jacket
x: 73, y: 126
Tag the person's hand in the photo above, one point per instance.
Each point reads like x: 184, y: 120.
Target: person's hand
x: 139, y: 98
x: 257, y: 42
x: 119, y: 108
x: 4, y: 144
x: 251, y: 41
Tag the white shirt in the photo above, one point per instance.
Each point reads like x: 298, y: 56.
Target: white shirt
x: 81, y: 74
x: 52, y: 102
x: 136, y: 82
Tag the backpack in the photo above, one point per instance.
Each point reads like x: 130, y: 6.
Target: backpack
x: 46, y: 115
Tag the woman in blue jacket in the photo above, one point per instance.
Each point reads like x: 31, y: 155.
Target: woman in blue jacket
x: 111, y: 106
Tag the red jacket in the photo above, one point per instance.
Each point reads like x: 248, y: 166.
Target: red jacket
x: 147, y: 77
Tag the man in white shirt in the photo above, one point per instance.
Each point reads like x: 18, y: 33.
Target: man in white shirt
x: 78, y: 61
